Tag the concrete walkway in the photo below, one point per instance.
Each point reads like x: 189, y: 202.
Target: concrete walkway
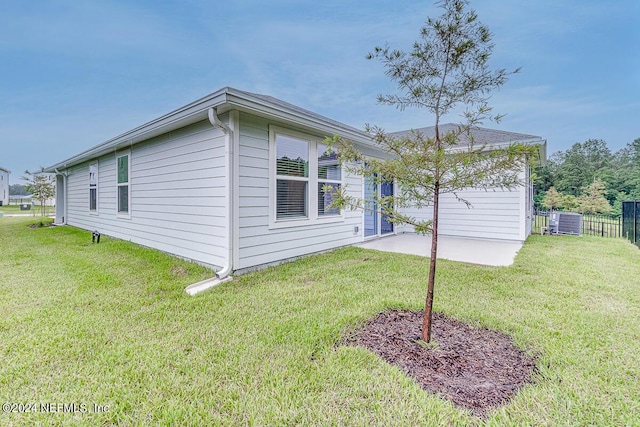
x: 474, y: 251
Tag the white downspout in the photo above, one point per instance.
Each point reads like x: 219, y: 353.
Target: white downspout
x: 223, y: 274
x: 228, y: 184
x: 64, y: 176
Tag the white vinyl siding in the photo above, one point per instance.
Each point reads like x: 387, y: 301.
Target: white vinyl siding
x: 177, y: 195
x: 493, y: 214
x: 260, y: 244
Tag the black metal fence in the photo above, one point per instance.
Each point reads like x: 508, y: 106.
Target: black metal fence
x: 631, y: 221
x: 18, y: 200
x: 593, y: 225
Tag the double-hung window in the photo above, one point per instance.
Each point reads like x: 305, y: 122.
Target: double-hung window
x: 329, y: 176
x: 93, y: 188
x: 123, y: 163
x: 292, y: 177
x: 304, y: 175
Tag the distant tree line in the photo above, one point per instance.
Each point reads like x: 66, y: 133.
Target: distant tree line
x: 18, y: 190
x: 589, y: 178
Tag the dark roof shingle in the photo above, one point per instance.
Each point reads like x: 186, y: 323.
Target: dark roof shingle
x: 481, y: 135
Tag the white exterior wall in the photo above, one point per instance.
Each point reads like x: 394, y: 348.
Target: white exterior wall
x: 494, y: 214
x: 4, y: 187
x: 176, y: 195
x: 258, y: 244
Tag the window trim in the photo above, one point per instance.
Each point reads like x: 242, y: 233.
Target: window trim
x: 94, y: 187
x: 312, y: 217
x: 120, y: 214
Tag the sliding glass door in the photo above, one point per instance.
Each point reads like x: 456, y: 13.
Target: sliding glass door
x: 376, y: 224
x: 386, y: 189
x: 370, y: 214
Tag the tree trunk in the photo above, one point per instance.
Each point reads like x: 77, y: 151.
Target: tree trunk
x: 428, y: 306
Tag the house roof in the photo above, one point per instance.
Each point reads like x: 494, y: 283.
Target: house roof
x: 482, y: 136
x: 228, y: 98
x: 302, y: 111
x: 3, y: 169
x: 223, y: 100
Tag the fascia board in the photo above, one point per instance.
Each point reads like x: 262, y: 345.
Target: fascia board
x: 225, y: 99
x: 533, y: 141
x: 244, y: 102
x: 542, y: 152
x: 539, y: 142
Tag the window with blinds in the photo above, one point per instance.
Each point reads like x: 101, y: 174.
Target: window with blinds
x: 305, y: 176
x: 329, y: 176
x: 93, y: 187
x: 123, y: 166
x: 292, y: 177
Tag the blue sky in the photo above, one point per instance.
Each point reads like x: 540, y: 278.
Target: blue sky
x: 75, y: 74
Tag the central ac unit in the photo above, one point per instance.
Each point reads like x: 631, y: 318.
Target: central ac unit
x: 565, y: 223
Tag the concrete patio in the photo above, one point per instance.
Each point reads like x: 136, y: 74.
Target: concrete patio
x: 474, y: 251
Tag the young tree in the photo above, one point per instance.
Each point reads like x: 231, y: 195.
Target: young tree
x: 592, y: 200
x: 41, y: 186
x: 552, y: 199
x: 569, y: 203
x: 447, y: 68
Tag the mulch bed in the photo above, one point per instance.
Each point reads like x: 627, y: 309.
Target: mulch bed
x: 477, y: 369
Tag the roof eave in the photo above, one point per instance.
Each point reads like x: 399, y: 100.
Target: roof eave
x: 190, y: 113
x: 246, y: 102
x: 538, y: 142
x: 225, y: 99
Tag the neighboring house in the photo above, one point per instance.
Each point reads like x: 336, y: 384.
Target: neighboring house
x: 234, y: 181
x: 4, y: 186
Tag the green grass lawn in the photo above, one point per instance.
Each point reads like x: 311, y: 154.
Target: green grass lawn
x: 12, y: 209
x: 15, y: 209
x: 110, y: 325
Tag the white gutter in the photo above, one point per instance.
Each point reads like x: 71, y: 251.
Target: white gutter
x: 222, y: 275
x: 247, y: 102
x: 191, y: 113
